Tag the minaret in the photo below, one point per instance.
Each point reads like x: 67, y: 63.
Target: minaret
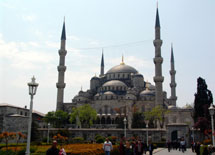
x: 102, y: 65
x: 61, y: 70
x: 158, y: 60
x: 172, y: 72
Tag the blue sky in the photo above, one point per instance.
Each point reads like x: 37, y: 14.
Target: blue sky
x: 30, y: 38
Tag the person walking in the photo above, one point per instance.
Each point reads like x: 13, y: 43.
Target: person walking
x: 150, y: 148
x: 169, y: 145
x: 53, y: 150
x: 139, y: 148
x: 107, y: 146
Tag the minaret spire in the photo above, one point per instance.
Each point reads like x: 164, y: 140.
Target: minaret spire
x: 102, y: 65
x: 122, y: 63
x: 61, y: 70
x: 158, y: 60
x: 173, y: 84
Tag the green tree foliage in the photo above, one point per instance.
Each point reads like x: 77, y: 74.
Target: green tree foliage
x: 138, y: 120
x: 83, y: 115
x: 203, y: 99
x: 57, y: 119
x: 156, y: 114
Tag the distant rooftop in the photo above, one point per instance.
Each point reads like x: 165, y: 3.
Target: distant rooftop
x: 10, y: 105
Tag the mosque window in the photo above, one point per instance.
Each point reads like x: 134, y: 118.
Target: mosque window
x: 25, y: 113
x: 143, y: 108
x: 20, y: 112
x: 106, y: 110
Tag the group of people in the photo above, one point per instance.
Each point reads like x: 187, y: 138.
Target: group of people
x: 177, y: 145
x: 135, y: 147
x: 206, y: 150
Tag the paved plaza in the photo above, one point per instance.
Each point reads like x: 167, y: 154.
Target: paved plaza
x: 162, y: 151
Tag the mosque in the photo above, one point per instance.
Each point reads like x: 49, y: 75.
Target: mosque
x: 114, y: 94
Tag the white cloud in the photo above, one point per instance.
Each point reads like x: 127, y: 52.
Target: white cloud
x: 29, y: 18
x: 72, y: 37
x: 23, y: 55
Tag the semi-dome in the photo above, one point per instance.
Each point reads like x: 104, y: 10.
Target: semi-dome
x: 122, y: 68
x: 114, y: 83
x: 172, y: 107
x: 147, y: 92
x: 109, y: 93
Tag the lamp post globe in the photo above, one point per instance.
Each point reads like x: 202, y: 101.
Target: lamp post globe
x: 125, y: 122
x: 32, y: 91
x: 211, y: 111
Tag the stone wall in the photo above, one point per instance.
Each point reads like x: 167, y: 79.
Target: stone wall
x: 156, y: 135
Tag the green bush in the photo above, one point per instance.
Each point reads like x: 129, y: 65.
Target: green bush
x: 78, y: 140
x: 8, y: 152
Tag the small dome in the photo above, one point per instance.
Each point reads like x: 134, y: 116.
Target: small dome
x: 187, y: 106
x: 172, y: 107
x: 97, y: 94
x: 109, y: 93
x: 147, y: 92
x: 122, y: 68
x: 95, y: 78
x: 138, y: 75
x: 151, y: 87
x: 114, y: 83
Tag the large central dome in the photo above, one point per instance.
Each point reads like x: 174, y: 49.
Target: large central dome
x: 122, y: 68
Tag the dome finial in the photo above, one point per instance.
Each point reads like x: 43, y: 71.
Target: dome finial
x: 122, y: 63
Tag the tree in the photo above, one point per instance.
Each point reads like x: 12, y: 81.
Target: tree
x: 203, y: 100
x: 83, y: 115
x: 157, y: 114
x: 138, y: 120
x: 57, y: 119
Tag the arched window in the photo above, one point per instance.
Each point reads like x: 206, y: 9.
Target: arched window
x: 108, y: 120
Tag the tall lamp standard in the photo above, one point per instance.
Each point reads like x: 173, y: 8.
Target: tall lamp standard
x: 193, y: 134
x: 48, y: 133
x: 211, y: 111
x: 147, y: 133
x: 32, y: 91
x: 125, y: 121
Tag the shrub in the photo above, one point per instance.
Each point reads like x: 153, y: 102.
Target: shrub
x: 7, y: 152
x: 78, y: 140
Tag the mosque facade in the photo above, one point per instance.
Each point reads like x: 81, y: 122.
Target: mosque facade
x: 114, y: 94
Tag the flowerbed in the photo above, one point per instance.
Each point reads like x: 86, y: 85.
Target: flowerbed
x: 74, y: 149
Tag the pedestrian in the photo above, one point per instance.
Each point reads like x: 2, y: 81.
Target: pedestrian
x: 107, y: 146
x: 122, y: 147
x: 62, y: 151
x: 169, y: 145
x: 150, y: 148
x: 127, y: 148
x: 183, y: 145
x: 53, y: 150
x: 139, y: 148
x: 197, y: 148
x: 144, y: 147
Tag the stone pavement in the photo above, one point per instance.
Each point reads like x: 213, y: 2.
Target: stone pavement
x: 164, y: 151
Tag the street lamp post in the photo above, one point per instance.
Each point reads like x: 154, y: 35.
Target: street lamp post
x: 125, y: 121
x: 32, y: 91
x: 48, y: 133
x: 147, y: 134
x: 193, y: 134
x: 211, y: 110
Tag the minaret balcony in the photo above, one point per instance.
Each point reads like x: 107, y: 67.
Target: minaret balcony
x: 61, y: 68
x: 173, y: 84
x: 158, y: 60
x: 62, y: 52
x: 157, y: 42
x: 60, y: 85
x: 172, y: 72
x: 158, y: 79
